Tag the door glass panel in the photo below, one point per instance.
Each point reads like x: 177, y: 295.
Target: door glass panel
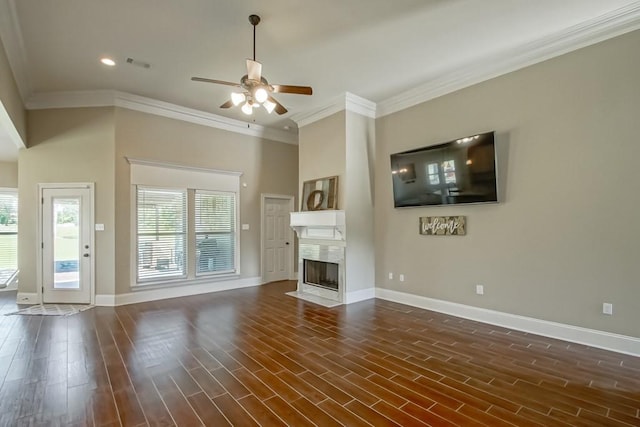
x: 66, y: 246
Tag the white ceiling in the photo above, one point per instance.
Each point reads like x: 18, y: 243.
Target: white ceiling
x: 376, y: 49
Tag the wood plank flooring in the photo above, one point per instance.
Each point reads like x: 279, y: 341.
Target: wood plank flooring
x: 258, y: 357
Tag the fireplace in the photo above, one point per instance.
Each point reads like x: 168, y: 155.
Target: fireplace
x: 321, y: 269
x: 322, y: 266
x: 321, y: 256
x: 321, y: 273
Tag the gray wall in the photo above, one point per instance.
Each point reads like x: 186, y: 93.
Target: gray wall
x: 358, y: 199
x: 566, y: 237
x: 68, y: 145
x: 90, y: 145
x: 9, y: 174
x: 266, y: 166
x: 322, y: 152
x: 10, y: 97
x: 343, y: 144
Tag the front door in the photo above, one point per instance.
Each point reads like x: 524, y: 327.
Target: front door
x: 67, y: 245
x: 277, y: 239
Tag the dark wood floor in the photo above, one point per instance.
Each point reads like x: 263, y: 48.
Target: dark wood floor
x: 257, y: 357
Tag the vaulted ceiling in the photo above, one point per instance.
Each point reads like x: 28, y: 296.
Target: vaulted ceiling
x: 394, y: 53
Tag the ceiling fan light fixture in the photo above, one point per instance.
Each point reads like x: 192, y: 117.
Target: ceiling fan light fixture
x: 238, y: 98
x: 261, y: 94
x: 269, y: 106
x: 255, y: 90
x: 247, y: 108
x: 108, y: 61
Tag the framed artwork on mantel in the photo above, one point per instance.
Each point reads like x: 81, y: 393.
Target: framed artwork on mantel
x: 320, y: 194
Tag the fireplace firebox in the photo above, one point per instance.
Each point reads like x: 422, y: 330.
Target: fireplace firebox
x: 322, y: 274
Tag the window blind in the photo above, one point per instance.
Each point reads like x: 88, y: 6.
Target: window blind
x: 161, y: 233
x: 215, y: 228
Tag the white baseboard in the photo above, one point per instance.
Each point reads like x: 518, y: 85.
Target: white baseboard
x: 361, y: 295
x: 175, y: 292
x: 27, y: 298
x: 591, y: 337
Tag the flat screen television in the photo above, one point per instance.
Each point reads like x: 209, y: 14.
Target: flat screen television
x: 455, y: 172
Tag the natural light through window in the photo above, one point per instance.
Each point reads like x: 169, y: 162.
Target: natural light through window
x: 161, y: 233
x: 8, y: 235
x: 449, y: 168
x: 433, y: 173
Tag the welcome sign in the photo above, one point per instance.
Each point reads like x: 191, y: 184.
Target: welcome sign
x: 443, y: 225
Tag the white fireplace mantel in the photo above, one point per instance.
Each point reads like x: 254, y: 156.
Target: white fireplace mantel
x: 329, y: 224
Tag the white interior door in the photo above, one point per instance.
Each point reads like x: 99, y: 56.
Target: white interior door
x: 67, y: 222
x: 278, y: 239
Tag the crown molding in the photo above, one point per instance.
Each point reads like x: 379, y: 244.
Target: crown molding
x: 11, y: 39
x: 109, y: 98
x: 359, y: 105
x: 348, y: 102
x: 601, y: 28
x: 604, y: 27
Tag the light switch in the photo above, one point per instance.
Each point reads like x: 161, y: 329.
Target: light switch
x: 99, y: 227
x: 245, y: 226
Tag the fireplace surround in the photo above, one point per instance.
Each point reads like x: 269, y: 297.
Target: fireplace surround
x: 321, y: 256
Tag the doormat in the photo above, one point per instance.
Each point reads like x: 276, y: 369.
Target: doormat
x: 52, y: 310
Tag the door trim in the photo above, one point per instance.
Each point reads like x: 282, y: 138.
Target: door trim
x: 39, y: 273
x: 263, y: 199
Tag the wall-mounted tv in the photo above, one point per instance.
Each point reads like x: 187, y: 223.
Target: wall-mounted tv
x: 455, y: 172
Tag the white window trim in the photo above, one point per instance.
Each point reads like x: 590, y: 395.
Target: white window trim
x: 171, y: 175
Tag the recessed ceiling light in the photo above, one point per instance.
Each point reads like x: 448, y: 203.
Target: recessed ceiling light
x: 108, y: 61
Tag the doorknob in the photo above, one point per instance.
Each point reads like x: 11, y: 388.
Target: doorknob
x: 286, y: 243
x: 86, y: 255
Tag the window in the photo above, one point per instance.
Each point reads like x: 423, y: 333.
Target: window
x: 449, y: 168
x: 215, y: 229
x: 8, y: 235
x: 161, y: 233
x: 433, y: 173
x: 185, y: 223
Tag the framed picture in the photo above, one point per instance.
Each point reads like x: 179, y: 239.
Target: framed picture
x: 320, y: 194
x: 443, y: 225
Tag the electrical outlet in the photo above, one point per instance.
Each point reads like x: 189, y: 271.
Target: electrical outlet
x: 480, y: 289
x: 390, y: 276
x: 402, y: 277
x: 607, y: 308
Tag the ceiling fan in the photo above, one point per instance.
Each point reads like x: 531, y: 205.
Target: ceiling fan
x: 256, y: 90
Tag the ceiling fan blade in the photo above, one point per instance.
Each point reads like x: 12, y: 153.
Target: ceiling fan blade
x: 279, y: 107
x: 227, y: 104
x: 299, y: 90
x: 220, y: 82
x: 254, y: 70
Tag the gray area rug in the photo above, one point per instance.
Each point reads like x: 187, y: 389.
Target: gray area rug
x: 52, y: 310
x: 7, y: 276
